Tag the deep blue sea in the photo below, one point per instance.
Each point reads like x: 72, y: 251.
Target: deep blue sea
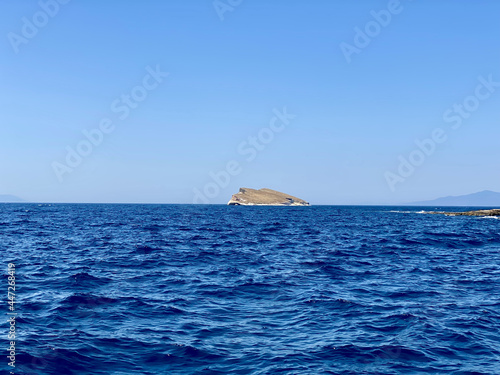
x: 186, y: 289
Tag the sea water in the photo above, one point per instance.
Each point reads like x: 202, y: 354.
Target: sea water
x: 212, y: 289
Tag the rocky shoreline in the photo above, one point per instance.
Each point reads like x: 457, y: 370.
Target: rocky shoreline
x: 492, y: 212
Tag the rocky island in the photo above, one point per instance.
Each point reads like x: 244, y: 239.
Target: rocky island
x: 493, y: 212
x: 264, y: 197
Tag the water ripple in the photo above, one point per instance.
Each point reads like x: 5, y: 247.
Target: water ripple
x: 180, y: 289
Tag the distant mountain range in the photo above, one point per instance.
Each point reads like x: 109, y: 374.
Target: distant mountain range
x: 483, y: 198
x: 10, y: 199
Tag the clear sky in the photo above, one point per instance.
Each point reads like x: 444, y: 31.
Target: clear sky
x: 355, y: 84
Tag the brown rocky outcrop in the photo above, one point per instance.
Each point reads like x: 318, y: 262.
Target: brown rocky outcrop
x: 264, y: 197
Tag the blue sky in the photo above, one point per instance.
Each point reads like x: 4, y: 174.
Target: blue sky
x: 350, y: 125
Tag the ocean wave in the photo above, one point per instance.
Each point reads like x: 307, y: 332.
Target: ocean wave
x: 139, y: 289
